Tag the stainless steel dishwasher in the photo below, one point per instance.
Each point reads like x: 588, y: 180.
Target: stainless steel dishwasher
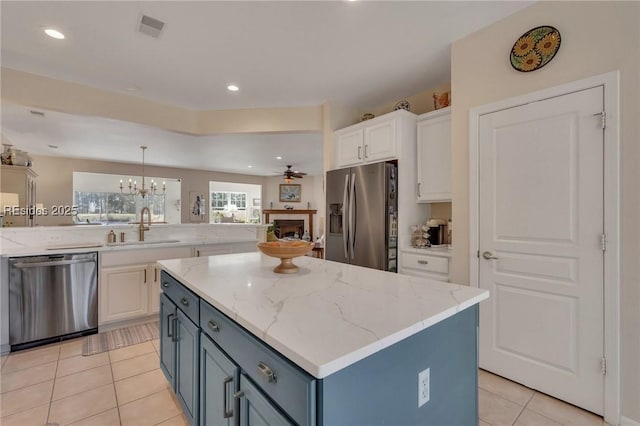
x: 52, y: 297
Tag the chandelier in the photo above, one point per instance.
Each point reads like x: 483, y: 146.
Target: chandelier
x: 133, y: 186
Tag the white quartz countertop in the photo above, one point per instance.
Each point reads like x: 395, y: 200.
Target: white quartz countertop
x: 327, y: 316
x: 431, y: 251
x: 81, y: 247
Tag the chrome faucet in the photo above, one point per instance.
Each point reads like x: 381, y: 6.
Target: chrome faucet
x: 143, y: 228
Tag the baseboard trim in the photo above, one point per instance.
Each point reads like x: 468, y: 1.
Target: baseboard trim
x: 624, y: 421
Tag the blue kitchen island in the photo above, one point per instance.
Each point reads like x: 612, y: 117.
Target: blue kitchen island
x: 332, y: 345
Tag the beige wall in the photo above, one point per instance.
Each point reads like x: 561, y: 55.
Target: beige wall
x: 420, y: 102
x: 55, y: 181
x: 597, y: 37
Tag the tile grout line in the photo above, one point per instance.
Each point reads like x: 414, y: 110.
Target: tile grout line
x: 113, y: 382
x: 518, y: 416
x: 170, y: 418
x: 53, y: 387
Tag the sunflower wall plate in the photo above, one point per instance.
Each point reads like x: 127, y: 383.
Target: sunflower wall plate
x: 535, y: 48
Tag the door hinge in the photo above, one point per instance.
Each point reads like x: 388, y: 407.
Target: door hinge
x: 603, y: 242
x: 603, y: 118
x: 603, y: 365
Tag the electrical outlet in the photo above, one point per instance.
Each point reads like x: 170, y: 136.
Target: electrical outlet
x: 423, y: 387
x: 55, y: 236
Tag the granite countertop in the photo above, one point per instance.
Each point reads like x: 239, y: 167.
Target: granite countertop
x: 327, y: 316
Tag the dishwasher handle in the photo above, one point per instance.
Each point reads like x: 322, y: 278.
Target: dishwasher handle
x: 52, y: 263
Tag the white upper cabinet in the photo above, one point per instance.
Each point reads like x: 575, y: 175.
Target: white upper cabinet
x: 370, y: 141
x: 380, y: 141
x: 349, y: 147
x: 434, y: 156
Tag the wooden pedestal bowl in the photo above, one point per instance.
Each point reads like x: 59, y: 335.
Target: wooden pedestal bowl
x: 286, y: 251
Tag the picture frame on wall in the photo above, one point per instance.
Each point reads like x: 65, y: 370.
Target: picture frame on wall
x: 290, y: 192
x: 197, y: 206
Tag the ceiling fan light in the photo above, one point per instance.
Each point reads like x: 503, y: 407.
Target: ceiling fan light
x: 288, y: 179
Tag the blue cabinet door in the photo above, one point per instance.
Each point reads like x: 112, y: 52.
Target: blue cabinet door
x: 167, y: 344
x: 187, y: 336
x: 218, y: 383
x: 256, y: 410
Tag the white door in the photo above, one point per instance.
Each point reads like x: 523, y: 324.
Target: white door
x: 541, y: 217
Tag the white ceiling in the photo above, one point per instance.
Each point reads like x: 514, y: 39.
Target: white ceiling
x: 360, y: 54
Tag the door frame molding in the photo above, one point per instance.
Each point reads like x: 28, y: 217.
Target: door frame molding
x: 611, y: 83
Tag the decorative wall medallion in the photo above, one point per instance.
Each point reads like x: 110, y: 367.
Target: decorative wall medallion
x: 535, y: 48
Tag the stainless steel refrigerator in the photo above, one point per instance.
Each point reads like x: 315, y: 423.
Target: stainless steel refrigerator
x: 362, y: 216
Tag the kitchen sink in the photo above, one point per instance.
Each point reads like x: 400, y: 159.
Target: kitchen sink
x: 135, y: 243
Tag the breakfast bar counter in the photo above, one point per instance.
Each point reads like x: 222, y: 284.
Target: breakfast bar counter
x: 368, y: 346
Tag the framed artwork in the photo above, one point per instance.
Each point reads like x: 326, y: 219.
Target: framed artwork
x: 197, y: 206
x: 290, y: 192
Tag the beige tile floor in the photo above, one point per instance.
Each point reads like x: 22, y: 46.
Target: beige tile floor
x: 57, y: 384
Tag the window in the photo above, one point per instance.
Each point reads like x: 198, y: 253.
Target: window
x: 235, y: 202
x: 222, y: 200
x: 114, y: 207
x: 98, y: 200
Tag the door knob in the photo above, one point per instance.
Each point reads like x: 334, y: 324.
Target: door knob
x: 489, y: 256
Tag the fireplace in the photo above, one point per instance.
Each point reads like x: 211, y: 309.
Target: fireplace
x: 287, y: 228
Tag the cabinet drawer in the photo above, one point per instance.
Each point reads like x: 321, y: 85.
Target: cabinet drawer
x: 181, y: 296
x: 292, y: 389
x: 426, y: 263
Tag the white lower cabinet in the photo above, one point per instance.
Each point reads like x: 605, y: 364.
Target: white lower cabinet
x: 425, y: 265
x: 124, y: 293
x: 129, y: 283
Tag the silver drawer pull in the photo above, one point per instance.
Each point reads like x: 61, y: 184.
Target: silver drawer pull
x: 423, y: 262
x: 213, y: 326
x: 226, y: 414
x: 238, y: 394
x: 184, y: 301
x: 165, y: 284
x: 266, y: 371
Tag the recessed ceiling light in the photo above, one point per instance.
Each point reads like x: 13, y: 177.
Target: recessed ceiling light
x: 278, y: 158
x: 233, y: 88
x: 250, y: 166
x: 54, y: 33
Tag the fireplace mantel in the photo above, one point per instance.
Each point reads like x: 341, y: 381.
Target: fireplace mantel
x: 286, y: 211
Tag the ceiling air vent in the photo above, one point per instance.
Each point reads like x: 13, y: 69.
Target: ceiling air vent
x: 38, y: 113
x: 151, y: 26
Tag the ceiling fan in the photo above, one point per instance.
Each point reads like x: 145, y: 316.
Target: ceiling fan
x: 289, y: 174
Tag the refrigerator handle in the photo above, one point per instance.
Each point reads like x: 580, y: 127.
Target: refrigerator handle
x: 345, y: 225
x: 352, y: 224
